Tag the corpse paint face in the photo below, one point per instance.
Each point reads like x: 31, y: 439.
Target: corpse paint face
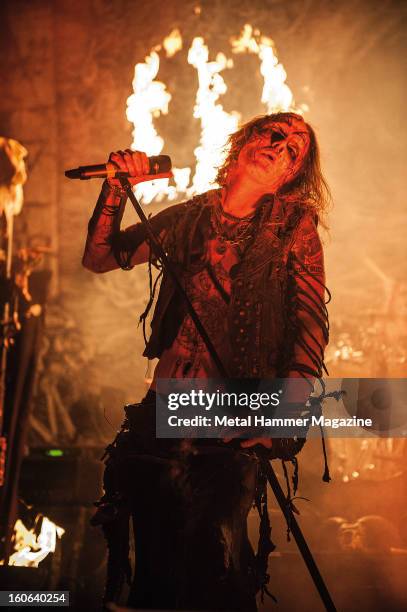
x: 275, y: 153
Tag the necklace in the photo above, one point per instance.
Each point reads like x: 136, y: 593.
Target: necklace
x: 231, y: 230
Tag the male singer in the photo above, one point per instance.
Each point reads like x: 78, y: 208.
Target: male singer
x: 251, y: 261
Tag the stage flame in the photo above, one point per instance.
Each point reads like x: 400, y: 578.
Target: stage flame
x: 31, y: 549
x: 172, y: 43
x: 216, y: 123
x: 151, y: 99
x: 276, y: 95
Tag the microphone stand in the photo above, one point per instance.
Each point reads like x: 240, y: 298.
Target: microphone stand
x: 266, y: 464
x: 161, y: 256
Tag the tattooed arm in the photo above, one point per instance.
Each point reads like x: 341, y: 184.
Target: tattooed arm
x: 107, y: 246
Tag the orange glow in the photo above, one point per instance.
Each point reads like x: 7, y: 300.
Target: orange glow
x: 151, y: 99
x: 31, y: 549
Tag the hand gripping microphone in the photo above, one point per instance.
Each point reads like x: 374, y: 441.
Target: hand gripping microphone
x: 158, y: 165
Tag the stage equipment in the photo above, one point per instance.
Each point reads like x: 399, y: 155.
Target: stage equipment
x: 69, y: 476
x: 70, y: 482
x: 12, y: 178
x: 158, y: 165
x: 15, y: 395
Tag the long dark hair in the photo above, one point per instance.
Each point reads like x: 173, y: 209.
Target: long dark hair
x: 308, y: 187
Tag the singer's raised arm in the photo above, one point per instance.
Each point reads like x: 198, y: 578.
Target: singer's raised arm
x: 107, y: 246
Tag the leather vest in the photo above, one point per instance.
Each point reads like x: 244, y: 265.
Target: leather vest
x: 261, y: 313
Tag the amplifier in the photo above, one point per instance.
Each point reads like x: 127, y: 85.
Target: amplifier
x: 61, y: 476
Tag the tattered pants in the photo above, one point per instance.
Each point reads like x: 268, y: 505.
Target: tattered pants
x: 189, y: 506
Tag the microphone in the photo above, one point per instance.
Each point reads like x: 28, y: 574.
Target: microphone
x: 158, y: 165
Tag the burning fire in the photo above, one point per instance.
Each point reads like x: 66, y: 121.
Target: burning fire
x: 172, y: 43
x: 151, y: 99
x: 276, y: 95
x: 216, y: 123
x: 31, y: 549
